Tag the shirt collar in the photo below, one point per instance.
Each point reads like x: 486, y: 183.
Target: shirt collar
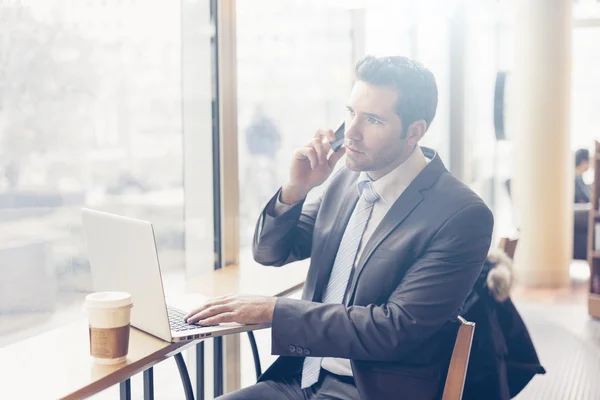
x: 390, y: 186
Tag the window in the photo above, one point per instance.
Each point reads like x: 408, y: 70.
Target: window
x: 91, y: 115
x: 487, y: 160
x: 294, y: 75
x: 295, y: 72
x: 586, y: 79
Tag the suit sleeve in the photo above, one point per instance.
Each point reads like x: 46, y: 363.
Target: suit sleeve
x: 430, y: 294
x: 284, y: 237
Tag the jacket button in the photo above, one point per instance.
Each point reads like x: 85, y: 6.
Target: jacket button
x: 292, y: 348
x: 299, y: 350
x: 306, y: 352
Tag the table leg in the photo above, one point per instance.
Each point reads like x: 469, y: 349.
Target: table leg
x: 125, y: 390
x: 185, y: 377
x: 218, y: 367
x: 200, y: 371
x: 149, y: 384
x: 255, y: 354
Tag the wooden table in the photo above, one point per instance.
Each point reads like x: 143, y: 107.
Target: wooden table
x: 251, y: 278
x: 57, y: 365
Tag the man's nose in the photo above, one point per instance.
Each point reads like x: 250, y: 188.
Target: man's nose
x: 352, y: 130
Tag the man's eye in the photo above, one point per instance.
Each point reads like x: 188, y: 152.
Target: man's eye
x: 350, y: 112
x: 373, y: 121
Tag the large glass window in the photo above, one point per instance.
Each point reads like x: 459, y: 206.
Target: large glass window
x: 585, y: 95
x: 586, y: 81
x: 487, y: 158
x: 294, y: 76
x: 489, y: 50
x: 92, y: 95
x: 294, y: 71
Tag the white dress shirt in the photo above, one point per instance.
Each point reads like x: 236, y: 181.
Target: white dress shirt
x: 389, y: 187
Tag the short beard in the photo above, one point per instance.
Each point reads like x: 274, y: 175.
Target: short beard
x: 377, y: 164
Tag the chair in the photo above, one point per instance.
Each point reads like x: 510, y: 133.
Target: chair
x: 509, y: 246
x: 457, y: 371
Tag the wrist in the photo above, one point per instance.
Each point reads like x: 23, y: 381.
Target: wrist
x: 271, y: 309
x: 291, y: 194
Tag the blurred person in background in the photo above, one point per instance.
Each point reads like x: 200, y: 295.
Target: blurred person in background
x: 263, y: 141
x: 583, y: 195
x: 262, y: 136
x: 582, y: 164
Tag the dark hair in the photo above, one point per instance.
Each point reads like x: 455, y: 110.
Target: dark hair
x: 581, y: 155
x: 417, y: 90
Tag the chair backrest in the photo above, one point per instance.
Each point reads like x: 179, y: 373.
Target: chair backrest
x: 509, y: 246
x: 457, y: 372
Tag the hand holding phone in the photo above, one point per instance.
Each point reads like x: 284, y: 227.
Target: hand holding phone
x: 339, y: 138
x: 312, y: 165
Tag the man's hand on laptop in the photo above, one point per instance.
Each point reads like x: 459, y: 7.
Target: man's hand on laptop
x: 243, y: 309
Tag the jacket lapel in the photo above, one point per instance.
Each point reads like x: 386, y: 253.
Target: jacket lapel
x: 348, y: 199
x: 403, y: 206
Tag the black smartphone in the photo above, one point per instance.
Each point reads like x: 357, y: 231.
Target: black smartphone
x: 339, y: 138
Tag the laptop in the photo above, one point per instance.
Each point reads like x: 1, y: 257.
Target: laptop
x: 123, y: 257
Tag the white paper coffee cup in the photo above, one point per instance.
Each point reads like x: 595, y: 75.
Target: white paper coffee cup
x: 109, y: 326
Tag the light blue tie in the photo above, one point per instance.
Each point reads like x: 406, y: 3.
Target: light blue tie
x: 342, y: 266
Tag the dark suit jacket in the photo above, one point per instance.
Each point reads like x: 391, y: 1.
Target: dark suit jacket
x: 397, y: 323
x: 503, y: 358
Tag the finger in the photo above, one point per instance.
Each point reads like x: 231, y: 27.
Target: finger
x: 194, y: 312
x: 219, y: 319
x: 330, y: 135
x: 210, y: 312
x: 335, y: 156
x: 317, y: 138
x: 225, y: 296
x: 212, y: 302
x: 311, y: 154
x: 221, y: 300
x: 321, y: 150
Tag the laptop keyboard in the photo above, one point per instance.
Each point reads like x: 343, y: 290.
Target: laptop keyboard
x: 176, y: 320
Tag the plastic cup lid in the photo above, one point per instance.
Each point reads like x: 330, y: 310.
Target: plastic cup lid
x: 108, y: 300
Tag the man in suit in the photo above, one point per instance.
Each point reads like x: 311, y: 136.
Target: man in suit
x: 396, y: 244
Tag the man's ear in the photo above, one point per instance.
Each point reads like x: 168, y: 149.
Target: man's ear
x: 415, y: 131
